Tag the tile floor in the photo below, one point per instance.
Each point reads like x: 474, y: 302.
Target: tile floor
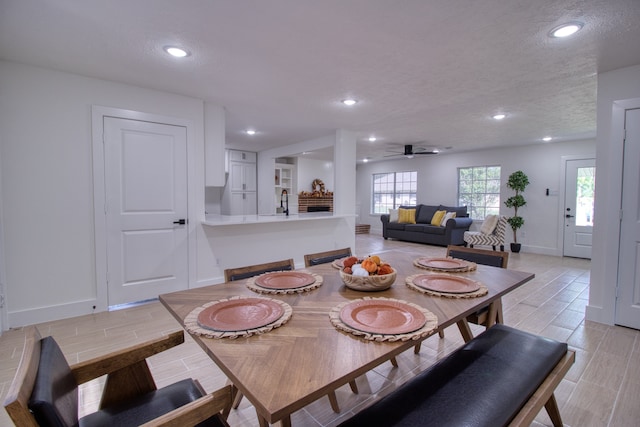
x: 601, y: 389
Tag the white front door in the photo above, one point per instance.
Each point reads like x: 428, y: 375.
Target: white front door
x: 146, y: 199
x: 580, y: 181
x: 628, y: 301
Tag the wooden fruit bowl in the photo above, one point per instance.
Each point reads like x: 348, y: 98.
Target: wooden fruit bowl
x: 368, y: 283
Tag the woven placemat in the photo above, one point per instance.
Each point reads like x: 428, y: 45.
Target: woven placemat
x: 192, y: 326
x: 251, y: 284
x: 480, y: 292
x: 429, y: 327
x: 470, y: 266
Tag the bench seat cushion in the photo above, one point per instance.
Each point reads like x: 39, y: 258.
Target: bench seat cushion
x: 484, y: 383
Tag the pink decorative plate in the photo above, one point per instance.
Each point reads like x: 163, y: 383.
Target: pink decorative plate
x: 443, y: 263
x: 240, y: 314
x: 381, y: 316
x: 446, y: 283
x: 285, y: 280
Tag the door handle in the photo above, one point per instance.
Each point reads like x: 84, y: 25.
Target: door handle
x: 569, y: 216
x: 180, y: 221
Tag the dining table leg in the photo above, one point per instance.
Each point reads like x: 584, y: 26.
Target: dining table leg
x: 465, y: 330
x: 285, y: 422
x: 493, y: 314
x: 499, y: 314
x: 333, y: 401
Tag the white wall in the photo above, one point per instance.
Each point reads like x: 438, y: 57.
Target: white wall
x: 47, y: 183
x: 613, y: 86
x: 310, y: 169
x: 438, y: 181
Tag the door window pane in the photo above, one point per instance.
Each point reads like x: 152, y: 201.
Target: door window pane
x: 586, y: 186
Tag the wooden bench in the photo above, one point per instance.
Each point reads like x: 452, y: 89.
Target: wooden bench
x: 503, y: 377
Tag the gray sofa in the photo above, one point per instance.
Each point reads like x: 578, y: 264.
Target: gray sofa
x: 423, y: 232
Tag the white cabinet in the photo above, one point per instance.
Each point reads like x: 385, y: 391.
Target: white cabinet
x: 243, y: 203
x: 239, y: 196
x: 242, y: 176
x: 242, y: 156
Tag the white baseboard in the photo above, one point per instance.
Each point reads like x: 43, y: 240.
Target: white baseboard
x: 597, y: 314
x: 47, y: 314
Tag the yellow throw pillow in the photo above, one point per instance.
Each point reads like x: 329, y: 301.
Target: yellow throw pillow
x: 437, y: 217
x: 406, y: 216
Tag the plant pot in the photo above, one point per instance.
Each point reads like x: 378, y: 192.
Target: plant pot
x: 515, y: 247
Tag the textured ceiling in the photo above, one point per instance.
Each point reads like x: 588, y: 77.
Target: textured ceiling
x: 425, y: 72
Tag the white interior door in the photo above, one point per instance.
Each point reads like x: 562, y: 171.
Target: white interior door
x: 580, y: 182
x: 628, y: 301
x: 146, y: 199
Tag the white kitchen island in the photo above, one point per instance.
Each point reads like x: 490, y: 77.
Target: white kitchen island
x: 231, y: 241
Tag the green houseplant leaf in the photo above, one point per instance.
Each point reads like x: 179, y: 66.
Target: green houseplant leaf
x: 517, y: 182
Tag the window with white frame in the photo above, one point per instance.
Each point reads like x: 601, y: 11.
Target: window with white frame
x: 479, y: 190
x: 393, y: 189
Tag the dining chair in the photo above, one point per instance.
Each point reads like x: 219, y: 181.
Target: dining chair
x: 239, y: 273
x: 479, y: 256
x: 485, y: 257
x: 44, y: 391
x: 325, y: 257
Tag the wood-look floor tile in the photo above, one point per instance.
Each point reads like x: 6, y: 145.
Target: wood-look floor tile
x: 586, y: 338
x: 619, y: 341
x: 590, y: 405
x: 627, y: 410
x: 569, y: 319
x: 606, y: 369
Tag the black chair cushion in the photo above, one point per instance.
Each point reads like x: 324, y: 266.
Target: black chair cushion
x: 54, y: 399
x: 484, y: 383
x: 148, y: 406
x: 326, y: 259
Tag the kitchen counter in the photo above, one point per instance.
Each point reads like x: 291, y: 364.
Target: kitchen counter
x: 223, y: 220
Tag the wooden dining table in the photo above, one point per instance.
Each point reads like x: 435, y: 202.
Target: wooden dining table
x: 287, y: 368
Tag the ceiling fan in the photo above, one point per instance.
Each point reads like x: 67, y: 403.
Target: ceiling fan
x: 410, y: 152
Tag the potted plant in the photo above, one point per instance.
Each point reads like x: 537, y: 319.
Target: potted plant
x: 517, y: 182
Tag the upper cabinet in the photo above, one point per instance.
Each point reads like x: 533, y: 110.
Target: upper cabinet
x: 242, y: 156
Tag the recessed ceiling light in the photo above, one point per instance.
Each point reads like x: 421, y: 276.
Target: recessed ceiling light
x: 372, y: 139
x: 499, y: 116
x: 365, y: 160
x: 178, y: 52
x: 546, y: 139
x: 349, y: 102
x: 251, y: 132
x: 565, y: 30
